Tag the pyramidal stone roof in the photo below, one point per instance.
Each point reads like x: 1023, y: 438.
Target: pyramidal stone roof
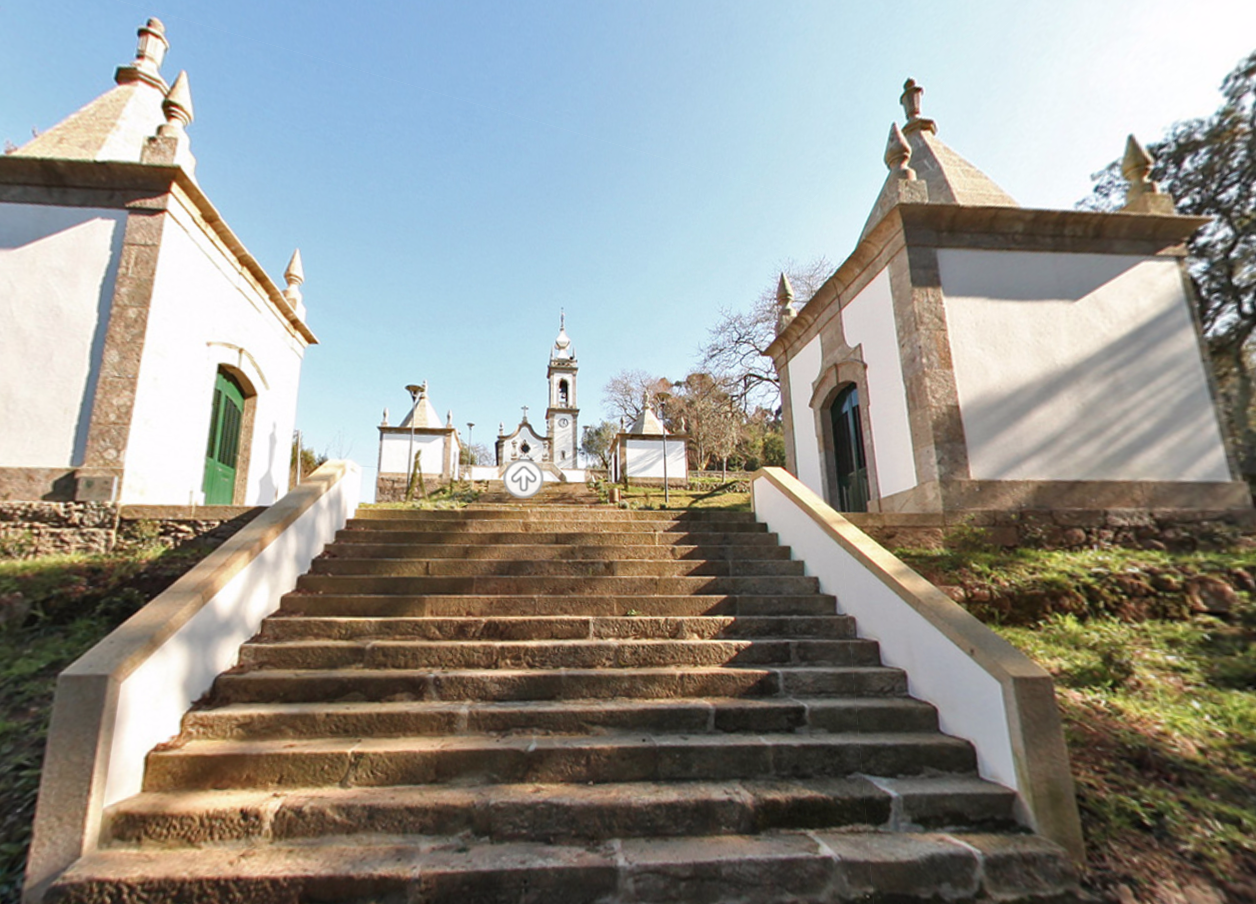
x: 423, y: 414
x: 116, y: 125
x: 924, y: 170
x: 647, y: 424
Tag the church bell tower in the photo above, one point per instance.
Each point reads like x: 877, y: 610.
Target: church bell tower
x: 560, y: 416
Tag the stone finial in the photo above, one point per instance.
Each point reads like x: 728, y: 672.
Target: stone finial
x: 449, y: 418
x: 149, y: 53
x: 294, y: 276
x: 501, y: 428
x: 1143, y: 195
x: 1136, y: 168
x: 786, y: 312
x: 170, y: 145
x: 178, y: 104
x: 384, y: 422
x: 910, y: 99
x: 898, y: 154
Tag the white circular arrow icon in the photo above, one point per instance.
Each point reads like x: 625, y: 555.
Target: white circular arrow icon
x: 523, y: 478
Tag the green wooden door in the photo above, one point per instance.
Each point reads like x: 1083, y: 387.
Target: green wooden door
x: 224, y: 442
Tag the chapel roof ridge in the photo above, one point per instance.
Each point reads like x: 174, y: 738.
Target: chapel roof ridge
x: 117, y: 125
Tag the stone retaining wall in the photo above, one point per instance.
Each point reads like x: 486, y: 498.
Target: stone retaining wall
x: 1172, y: 529
x: 40, y: 528
x: 392, y: 487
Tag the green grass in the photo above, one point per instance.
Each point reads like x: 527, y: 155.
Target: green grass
x: 71, y: 602
x: 724, y: 497
x: 450, y: 496
x: 1163, y: 743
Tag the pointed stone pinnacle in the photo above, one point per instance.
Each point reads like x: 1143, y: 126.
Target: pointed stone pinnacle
x: 898, y: 154
x: 295, y: 274
x: 786, y: 311
x: 178, y: 103
x: 1136, y: 164
x: 449, y: 418
x: 784, y: 292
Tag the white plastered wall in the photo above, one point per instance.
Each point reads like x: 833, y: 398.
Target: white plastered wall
x: 868, y: 321
x: 645, y: 458
x: 57, y: 272
x: 204, y: 313
x: 803, y: 370
x: 1078, y: 367
x: 395, y: 455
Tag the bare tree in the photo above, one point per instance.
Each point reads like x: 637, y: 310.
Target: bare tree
x: 623, y: 394
x: 734, y: 351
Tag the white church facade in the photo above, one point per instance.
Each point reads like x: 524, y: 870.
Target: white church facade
x: 971, y: 354
x: 145, y: 355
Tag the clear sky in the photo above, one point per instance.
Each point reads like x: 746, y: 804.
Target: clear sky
x: 455, y: 171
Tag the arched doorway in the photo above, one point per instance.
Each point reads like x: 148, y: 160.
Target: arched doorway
x: 848, y: 452
x: 223, y: 448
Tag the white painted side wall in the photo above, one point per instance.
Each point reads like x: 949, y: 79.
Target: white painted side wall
x: 868, y: 321
x: 154, y: 697
x: 1078, y: 367
x: 57, y: 272
x: 803, y: 370
x: 645, y: 459
x: 395, y: 455
x: 203, y: 314
x: 969, y: 699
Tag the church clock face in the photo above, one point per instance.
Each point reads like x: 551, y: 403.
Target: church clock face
x: 563, y: 422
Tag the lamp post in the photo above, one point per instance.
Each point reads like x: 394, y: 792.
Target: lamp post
x: 414, y: 404
x: 667, y: 499
x: 470, y: 450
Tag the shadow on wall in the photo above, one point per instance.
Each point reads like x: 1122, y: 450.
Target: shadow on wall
x: 268, y: 489
x: 1137, y: 409
x: 55, y: 234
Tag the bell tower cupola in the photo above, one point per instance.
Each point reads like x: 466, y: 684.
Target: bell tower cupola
x: 563, y: 410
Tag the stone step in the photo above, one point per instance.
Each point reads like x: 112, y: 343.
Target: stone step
x: 619, y: 653
x: 781, y: 867
x: 522, y: 567
x: 558, y: 585
x: 510, y: 605
x: 562, y: 812
x: 526, y: 757
x: 550, y: 513
x: 275, y: 629
x: 564, y: 552
x: 563, y: 535
x: 310, y: 686
x: 556, y: 523
x: 259, y: 721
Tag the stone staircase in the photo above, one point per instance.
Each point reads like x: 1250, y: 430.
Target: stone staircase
x: 557, y: 702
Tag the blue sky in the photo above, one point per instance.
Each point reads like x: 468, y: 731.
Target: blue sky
x: 455, y: 172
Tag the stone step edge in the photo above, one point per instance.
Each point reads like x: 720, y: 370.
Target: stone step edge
x: 552, y: 811
x: 755, y: 869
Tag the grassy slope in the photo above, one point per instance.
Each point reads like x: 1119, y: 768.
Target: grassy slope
x: 1158, y: 700
x: 74, y: 600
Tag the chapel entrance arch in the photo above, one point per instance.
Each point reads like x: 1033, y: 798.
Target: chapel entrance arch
x: 851, y: 485
x: 222, y: 451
